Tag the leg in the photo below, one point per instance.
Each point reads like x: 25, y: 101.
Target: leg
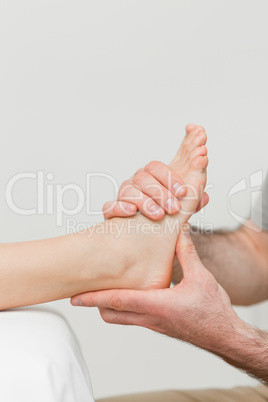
x: 41, y: 359
x: 238, y: 394
x: 119, y: 253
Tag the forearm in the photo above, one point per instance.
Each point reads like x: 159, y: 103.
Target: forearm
x: 238, y: 260
x: 45, y: 270
x: 246, y: 349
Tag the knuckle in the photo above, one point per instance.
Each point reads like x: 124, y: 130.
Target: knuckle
x: 124, y: 190
x: 150, y: 167
x: 107, y: 207
x: 116, y: 302
x: 104, y: 208
x: 138, y: 171
x: 139, y: 178
x: 191, y: 249
x: 124, y: 184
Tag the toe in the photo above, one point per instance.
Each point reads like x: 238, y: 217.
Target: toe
x: 200, y: 137
x: 189, y: 128
x: 199, y: 151
x: 200, y: 163
x: 196, y: 131
x: 196, y: 138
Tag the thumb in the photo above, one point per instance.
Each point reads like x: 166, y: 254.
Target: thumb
x: 136, y: 301
x: 186, y: 252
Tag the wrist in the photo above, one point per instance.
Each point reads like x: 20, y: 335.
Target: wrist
x: 247, y: 349
x: 231, y: 335
x: 246, y: 342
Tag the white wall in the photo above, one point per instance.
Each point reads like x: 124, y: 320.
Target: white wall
x: 106, y: 86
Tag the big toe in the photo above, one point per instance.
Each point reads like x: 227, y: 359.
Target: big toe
x: 189, y: 128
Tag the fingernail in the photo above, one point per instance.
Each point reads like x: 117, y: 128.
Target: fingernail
x: 178, y: 189
x: 77, y: 302
x: 186, y: 230
x: 155, y: 210
x: 172, y: 204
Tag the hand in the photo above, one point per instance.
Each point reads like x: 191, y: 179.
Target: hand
x: 153, y: 191
x: 197, y: 310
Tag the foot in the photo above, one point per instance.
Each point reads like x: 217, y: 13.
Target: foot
x: 150, y: 247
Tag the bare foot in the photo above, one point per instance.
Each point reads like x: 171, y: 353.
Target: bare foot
x: 149, y: 247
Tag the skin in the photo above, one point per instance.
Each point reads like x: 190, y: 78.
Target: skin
x: 238, y: 262
x: 246, y: 282
x: 149, y: 189
x: 160, y: 186
x: 197, y: 310
x: 51, y: 269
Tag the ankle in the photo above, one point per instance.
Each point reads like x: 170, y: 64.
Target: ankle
x: 110, y: 262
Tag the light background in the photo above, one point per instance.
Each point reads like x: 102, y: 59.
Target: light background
x: 107, y: 86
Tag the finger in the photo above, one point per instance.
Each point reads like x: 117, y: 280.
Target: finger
x: 186, y: 252
x: 145, y: 204
x: 138, y: 301
x: 203, y: 202
x: 118, y: 208
x: 167, y: 177
x: 123, y: 318
x: 151, y: 187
